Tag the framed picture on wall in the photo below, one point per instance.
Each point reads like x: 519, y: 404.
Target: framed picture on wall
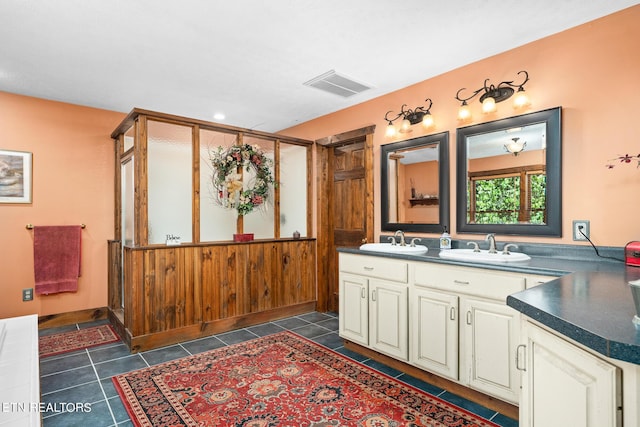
x: 15, y: 176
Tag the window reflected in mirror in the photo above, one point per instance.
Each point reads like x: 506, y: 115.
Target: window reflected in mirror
x: 509, y: 175
x: 415, y: 184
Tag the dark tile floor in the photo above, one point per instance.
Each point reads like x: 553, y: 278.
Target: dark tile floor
x: 85, y: 376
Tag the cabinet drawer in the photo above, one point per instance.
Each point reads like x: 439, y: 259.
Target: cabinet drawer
x: 377, y: 267
x: 490, y: 284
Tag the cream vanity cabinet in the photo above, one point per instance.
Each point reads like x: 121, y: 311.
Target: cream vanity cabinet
x: 373, y: 303
x: 462, y: 329
x: 564, y: 385
x: 446, y: 319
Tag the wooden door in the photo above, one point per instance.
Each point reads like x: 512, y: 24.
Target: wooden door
x: 345, y: 204
x: 349, y: 191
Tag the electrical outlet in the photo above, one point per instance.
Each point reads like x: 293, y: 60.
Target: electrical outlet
x: 581, y: 225
x: 27, y: 294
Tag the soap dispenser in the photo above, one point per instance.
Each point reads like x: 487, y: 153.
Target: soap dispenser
x: 445, y: 240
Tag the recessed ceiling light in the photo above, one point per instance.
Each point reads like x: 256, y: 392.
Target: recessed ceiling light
x: 219, y: 116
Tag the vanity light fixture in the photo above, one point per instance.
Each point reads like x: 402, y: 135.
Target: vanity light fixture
x: 515, y: 147
x: 493, y: 94
x: 409, y: 118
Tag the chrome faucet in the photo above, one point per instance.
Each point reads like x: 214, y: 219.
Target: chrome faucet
x: 401, y: 234
x: 491, y: 238
x: 505, y: 250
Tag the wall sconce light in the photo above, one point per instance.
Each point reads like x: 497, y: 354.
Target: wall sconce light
x: 493, y: 94
x: 515, y: 147
x: 409, y: 118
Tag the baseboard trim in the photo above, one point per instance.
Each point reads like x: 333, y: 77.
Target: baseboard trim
x: 204, y: 329
x: 490, y: 402
x: 72, y: 317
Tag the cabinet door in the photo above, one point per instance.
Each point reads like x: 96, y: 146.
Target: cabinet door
x: 491, y: 338
x: 565, y: 385
x: 434, y: 331
x: 354, y: 308
x: 388, y: 318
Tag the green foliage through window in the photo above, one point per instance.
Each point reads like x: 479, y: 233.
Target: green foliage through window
x: 497, y: 200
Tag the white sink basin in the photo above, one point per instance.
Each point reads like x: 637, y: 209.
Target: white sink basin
x: 482, y: 256
x: 394, y: 249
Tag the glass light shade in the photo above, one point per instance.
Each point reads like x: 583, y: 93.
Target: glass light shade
x: 427, y: 120
x: 515, y: 147
x: 405, y: 125
x: 488, y: 105
x: 521, y: 99
x: 391, y: 130
x: 464, y: 113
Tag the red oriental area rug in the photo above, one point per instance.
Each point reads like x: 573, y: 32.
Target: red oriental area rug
x: 76, y: 340
x: 279, y: 380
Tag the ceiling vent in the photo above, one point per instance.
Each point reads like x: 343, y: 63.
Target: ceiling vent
x: 337, y: 84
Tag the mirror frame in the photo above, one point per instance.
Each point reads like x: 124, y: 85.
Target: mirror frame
x: 443, y: 184
x: 553, y: 227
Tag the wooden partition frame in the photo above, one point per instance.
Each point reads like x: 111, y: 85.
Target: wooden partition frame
x: 139, y: 118
x: 176, y: 293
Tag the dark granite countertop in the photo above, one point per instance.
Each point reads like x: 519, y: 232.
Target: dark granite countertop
x: 589, y: 302
x: 594, y: 308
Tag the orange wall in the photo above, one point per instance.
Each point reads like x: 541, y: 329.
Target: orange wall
x: 591, y: 71
x: 425, y: 177
x: 72, y: 184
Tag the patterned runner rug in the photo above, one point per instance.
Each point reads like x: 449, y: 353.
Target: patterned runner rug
x: 279, y: 380
x: 76, y: 340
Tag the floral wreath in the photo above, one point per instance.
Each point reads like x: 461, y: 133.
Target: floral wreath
x: 227, y: 178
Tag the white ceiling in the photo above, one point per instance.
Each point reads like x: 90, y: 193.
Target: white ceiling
x: 249, y: 58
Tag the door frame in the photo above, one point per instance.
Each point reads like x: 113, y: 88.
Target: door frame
x: 327, y: 268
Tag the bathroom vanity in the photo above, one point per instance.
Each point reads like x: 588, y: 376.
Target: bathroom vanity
x: 553, y: 336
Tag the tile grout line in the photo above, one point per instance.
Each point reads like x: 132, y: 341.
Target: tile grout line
x: 242, y: 329
x: 66, y: 388
x: 181, y: 345
x: 63, y: 371
x: 106, y: 399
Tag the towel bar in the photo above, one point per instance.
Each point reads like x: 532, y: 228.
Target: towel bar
x: 30, y: 226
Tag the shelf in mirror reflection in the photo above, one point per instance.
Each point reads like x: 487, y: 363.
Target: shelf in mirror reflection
x: 426, y: 201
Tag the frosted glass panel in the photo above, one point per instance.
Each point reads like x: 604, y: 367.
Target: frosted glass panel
x: 127, y: 214
x: 129, y: 139
x: 170, y: 181
x: 216, y: 223
x: 260, y: 222
x: 293, y: 190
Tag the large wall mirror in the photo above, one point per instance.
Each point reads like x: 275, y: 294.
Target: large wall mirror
x: 415, y: 184
x: 509, y: 177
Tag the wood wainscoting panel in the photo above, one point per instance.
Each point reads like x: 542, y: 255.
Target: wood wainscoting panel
x: 162, y: 289
x: 113, y: 274
x: 177, y: 291
x: 223, y: 281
